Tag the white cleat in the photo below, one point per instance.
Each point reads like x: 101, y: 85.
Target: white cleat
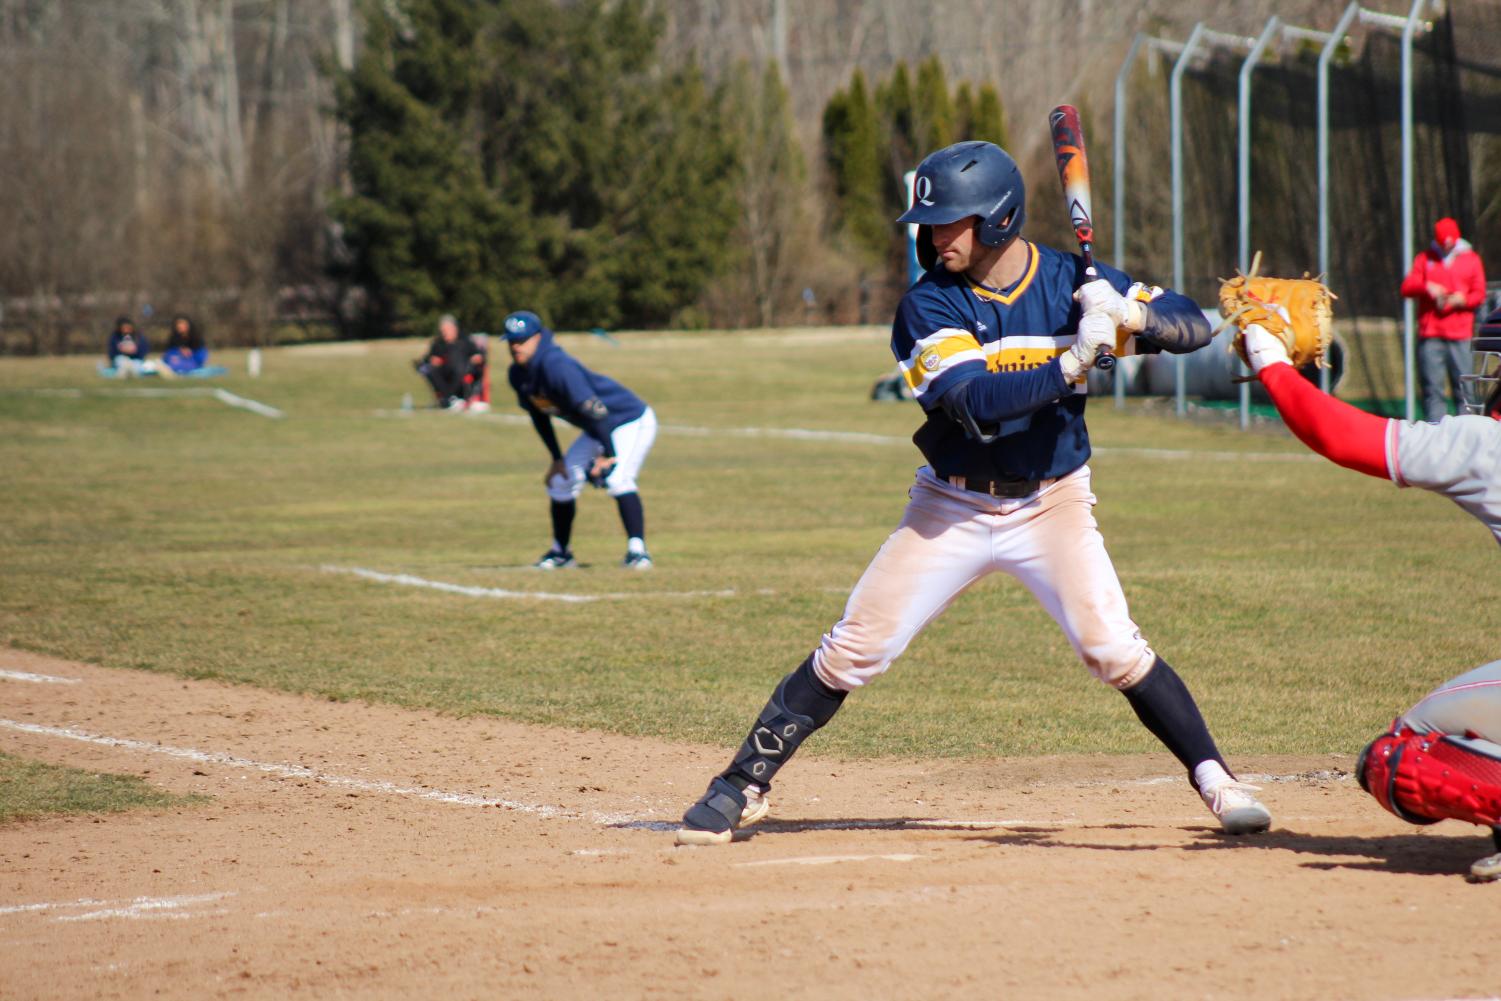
x: 1237, y: 808
x: 1486, y: 870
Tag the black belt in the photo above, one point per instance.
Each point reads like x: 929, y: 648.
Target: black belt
x: 999, y: 488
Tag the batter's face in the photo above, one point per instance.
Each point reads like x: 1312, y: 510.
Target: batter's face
x: 956, y: 243
x: 522, y: 351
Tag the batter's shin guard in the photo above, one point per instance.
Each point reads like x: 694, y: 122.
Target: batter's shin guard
x: 800, y: 705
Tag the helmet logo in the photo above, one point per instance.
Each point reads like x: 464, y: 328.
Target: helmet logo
x: 922, y: 188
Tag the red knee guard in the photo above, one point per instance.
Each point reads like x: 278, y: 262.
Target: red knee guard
x: 1427, y: 777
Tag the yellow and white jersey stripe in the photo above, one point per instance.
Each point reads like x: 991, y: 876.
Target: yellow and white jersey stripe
x: 945, y: 349
x: 937, y: 353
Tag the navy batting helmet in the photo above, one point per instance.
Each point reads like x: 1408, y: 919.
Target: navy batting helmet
x: 968, y: 179
x: 523, y: 325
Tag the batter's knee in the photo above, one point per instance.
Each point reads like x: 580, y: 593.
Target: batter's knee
x: 1121, y: 664
x: 852, y: 654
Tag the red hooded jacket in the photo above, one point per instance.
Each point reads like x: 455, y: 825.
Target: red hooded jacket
x: 1458, y: 271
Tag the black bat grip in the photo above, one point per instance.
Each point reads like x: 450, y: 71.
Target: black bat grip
x: 1104, y: 359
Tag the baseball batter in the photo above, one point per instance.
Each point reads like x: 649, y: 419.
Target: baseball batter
x: 618, y: 432
x: 995, y: 345
x: 1442, y: 758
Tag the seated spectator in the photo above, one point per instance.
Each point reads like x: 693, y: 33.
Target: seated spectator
x: 185, y: 349
x: 452, y: 365
x: 128, y: 349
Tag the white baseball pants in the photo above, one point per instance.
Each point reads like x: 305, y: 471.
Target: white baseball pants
x: 948, y: 539
x: 631, y: 441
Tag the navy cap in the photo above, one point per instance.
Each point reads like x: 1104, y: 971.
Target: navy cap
x: 523, y: 325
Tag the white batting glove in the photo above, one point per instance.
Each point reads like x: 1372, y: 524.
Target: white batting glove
x: 1096, y: 330
x: 1101, y: 296
x: 1263, y: 348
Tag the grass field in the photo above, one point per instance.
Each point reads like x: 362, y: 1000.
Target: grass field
x: 30, y: 789
x: 1304, y: 604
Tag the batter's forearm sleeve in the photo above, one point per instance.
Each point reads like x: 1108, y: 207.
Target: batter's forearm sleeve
x: 999, y: 396
x: 1339, y: 432
x: 543, y: 424
x: 1176, y: 324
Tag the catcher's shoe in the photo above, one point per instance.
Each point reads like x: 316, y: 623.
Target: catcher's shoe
x: 720, y: 812
x: 555, y: 560
x: 1238, y: 810
x: 1486, y: 870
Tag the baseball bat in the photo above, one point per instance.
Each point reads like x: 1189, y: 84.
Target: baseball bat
x: 1073, y: 173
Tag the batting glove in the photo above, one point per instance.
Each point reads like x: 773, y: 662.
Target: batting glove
x: 1096, y: 330
x: 1100, y: 296
x: 1263, y: 348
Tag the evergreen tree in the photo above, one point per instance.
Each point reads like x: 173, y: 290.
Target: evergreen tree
x: 424, y: 233
x: 895, y: 105
x: 964, y: 112
x: 852, y: 147
x: 934, y: 125
x: 989, y: 122
x: 624, y: 172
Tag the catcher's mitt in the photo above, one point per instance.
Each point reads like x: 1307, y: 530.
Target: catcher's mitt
x: 1298, y: 311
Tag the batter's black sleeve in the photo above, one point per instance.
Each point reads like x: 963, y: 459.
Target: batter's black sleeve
x: 1000, y: 396
x: 543, y: 424
x: 1175, y: 324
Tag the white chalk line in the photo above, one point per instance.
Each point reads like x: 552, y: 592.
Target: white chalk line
x: 139, y: 907
x: 39, y: 679
x: 867, y: 438
x: 616, y: 820
x: 304, y: 772
x: 148, y: 392
x: 829, y: 860
x: 244, y: 403
x: 410, y: 580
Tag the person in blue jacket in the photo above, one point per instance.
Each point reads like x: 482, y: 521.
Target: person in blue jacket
x: 186, y: 351
x: 618, y: 432
x: 128, y: 348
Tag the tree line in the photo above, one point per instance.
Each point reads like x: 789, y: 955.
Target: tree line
x: 527, y: 154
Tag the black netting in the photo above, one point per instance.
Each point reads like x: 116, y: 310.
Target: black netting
x: 1456, y: 157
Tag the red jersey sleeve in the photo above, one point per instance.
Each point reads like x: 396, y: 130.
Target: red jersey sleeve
x: 1339, y: 432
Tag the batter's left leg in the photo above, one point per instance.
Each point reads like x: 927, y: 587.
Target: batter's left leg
x: 1062, y: 560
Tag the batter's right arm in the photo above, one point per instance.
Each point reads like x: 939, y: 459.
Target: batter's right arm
x: 543, y: 424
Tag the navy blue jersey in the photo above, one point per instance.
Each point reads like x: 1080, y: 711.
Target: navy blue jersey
x: 950, y: 329
x: 553, y: 384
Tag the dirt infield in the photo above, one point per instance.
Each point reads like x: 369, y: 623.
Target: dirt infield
x: 356, y: 850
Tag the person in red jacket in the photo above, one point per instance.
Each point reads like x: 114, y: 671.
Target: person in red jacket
x: 1448, y: 281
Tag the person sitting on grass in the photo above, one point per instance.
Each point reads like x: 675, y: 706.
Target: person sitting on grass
x: 451, y: 364
x: 128, y: 349
x: 185, y: 348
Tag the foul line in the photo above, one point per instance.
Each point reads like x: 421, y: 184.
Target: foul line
x: 157, y: 393
x: 409, y: 580
x: 139, y: 907
x: 254, y: 406
x: 867, y: 438
x: 41, y: 679
x: 304, y: 772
